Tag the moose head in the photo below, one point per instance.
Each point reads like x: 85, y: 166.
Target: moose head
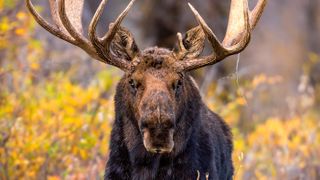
x: 155, y: 79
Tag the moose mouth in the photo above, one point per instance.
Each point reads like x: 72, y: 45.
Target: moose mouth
x: 153, y: 145
x: 158, y: 150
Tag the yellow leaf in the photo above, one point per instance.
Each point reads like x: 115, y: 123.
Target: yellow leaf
x: 259, y: 80
x: 4, y: 25
x: 1, y: 4
x: 34, y: 66
x: 54, y: 178
x: 20, y: 31
x: 241, y: 101
x: 21, y: 15
x: 3, y: 43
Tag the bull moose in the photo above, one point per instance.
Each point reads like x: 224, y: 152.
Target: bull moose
x: 162, y: 129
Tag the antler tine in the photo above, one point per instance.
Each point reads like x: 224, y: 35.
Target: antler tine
x: 92, y: 29
x: 115, y: 26
x: 81, y: 40
x: 50, y: 28
x: 94, y: 21
x: 102, y: 45
x: 217, y: 46
x: 237, y: 23
x: 256, y: 13
x: 240, y: 24
x: 239, y: 35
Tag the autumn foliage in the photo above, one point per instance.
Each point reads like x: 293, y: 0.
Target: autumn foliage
x: 54, y: 126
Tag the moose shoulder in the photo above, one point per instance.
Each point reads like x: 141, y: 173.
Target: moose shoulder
x: 162, y: 128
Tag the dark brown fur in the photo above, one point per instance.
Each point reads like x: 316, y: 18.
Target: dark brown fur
x: 155, y: 107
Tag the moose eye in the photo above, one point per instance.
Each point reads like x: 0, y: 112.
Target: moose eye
x: 133, y: 84
x: 177, y: 85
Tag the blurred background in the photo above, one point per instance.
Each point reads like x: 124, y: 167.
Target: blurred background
x: 56, y: 103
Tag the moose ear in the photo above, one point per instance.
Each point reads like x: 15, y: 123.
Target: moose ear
x: 123, y: 45
x: 192, y: 45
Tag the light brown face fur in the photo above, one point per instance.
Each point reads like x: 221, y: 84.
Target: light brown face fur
x: 156, y: 88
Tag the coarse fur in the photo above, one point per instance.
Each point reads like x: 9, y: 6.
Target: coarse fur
x: 202, y: 140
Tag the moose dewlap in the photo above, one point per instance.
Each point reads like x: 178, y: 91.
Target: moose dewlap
x: 162, y: 128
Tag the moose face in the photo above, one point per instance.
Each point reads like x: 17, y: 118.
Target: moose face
x: 156, y: 91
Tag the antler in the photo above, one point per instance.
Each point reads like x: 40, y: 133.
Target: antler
x: 102, y: 45
x: 241, y: 23
x: 68, y: 26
